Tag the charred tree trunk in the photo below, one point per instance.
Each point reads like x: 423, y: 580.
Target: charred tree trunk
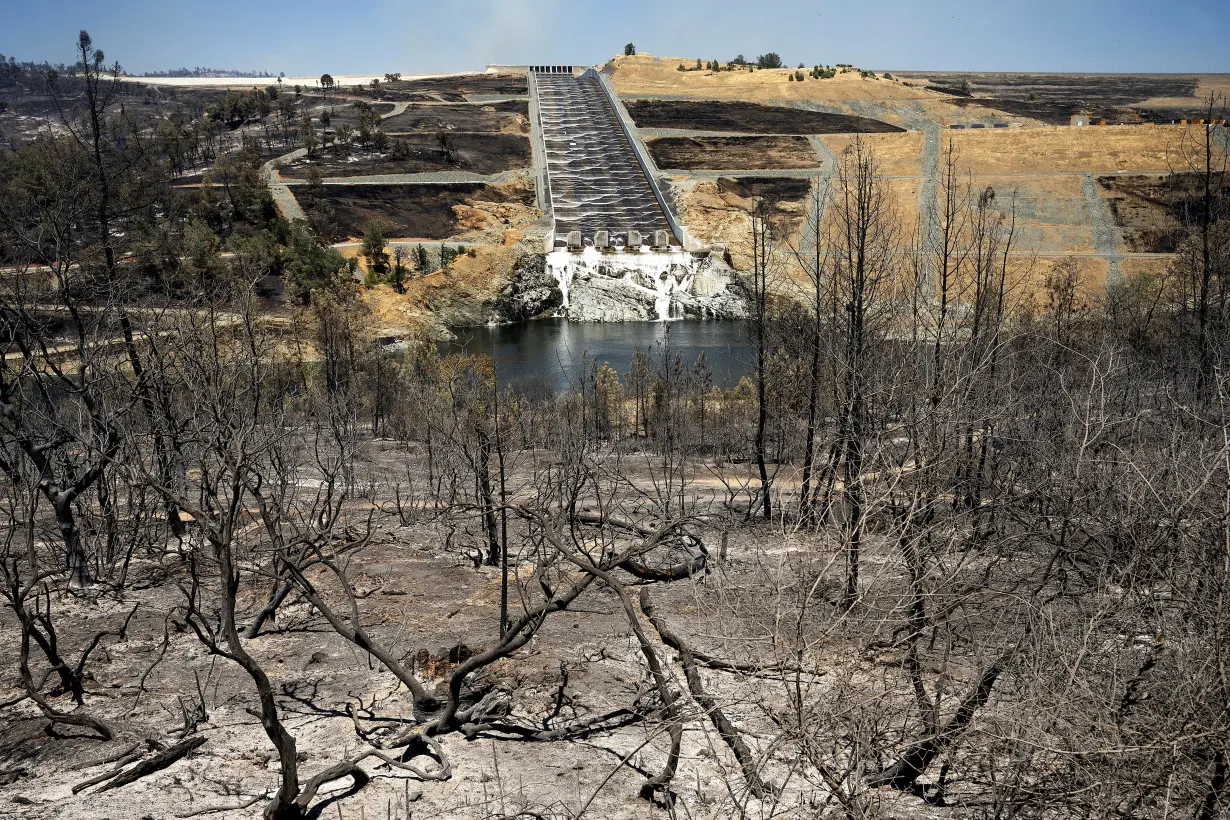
x: 761, y: 237
x: 915, y: 760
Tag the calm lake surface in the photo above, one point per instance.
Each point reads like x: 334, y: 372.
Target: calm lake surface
x: 549, y: 352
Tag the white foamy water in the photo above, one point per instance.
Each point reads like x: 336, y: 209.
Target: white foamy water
x: 659, y: 275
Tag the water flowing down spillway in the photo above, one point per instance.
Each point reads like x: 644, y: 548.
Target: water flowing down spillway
x: 596, y: 182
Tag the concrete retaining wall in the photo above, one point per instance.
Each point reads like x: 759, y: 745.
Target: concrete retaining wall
x: 542, y: 176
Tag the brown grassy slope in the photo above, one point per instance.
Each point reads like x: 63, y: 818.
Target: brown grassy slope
x: 461, y: 294
x: 644, y: 75
x: 1095, y: 149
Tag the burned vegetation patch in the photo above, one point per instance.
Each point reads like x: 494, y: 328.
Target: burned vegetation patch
x: 419, y: 153
x: 1055, y: 98
x: 347, y: 111
x: 1192, y: 113
x: 1054, y: 112
x: 500, y: 116
x: 1113, y: 90
x: 1154, y: 210
x: 752, y: 118
x: 418, y: 211
x: 732, y: 153
x: 455, y: 89
x: 773, y: 191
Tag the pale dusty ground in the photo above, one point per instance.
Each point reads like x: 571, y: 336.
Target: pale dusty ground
x: 414, y: 597
x: 417, y: 593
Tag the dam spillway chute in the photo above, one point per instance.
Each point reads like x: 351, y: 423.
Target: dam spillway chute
x: 613, y: 234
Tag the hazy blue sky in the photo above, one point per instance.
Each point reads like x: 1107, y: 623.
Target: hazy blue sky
x: 313, y: 36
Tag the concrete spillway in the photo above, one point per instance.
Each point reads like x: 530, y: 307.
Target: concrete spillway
x: 615, y: 250
x: 596, y: 181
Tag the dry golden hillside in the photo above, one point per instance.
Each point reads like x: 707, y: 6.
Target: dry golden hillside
x: 645, y: 75
x: 1057, y: 178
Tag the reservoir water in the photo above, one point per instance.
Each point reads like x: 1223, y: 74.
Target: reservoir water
x: 550, y: 353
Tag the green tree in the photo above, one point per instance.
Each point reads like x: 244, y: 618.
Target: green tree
x: 401, y: 258
x: 308, y: 134
x: 770, y: 60
x: 629, y: 50
x: 446, y: 147
x: 374, y: 240
x: 638, y: 379
x: 308, y: 265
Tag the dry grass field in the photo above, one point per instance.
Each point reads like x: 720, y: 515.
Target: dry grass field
x: 1095, y: 149
x: 1041, y: 164
x: 898, y: 155
x: 642, y: 74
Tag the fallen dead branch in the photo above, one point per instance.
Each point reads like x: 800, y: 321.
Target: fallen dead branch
x: 120, y: 777
x: 218, y: 809
x: 726, y: 729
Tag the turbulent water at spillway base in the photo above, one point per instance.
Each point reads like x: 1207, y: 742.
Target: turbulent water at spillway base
x: 618, y: 286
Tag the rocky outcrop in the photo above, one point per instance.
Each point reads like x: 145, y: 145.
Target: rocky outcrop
x: 530, y: 292
x: 630, y: 287
x: 501, y: 284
